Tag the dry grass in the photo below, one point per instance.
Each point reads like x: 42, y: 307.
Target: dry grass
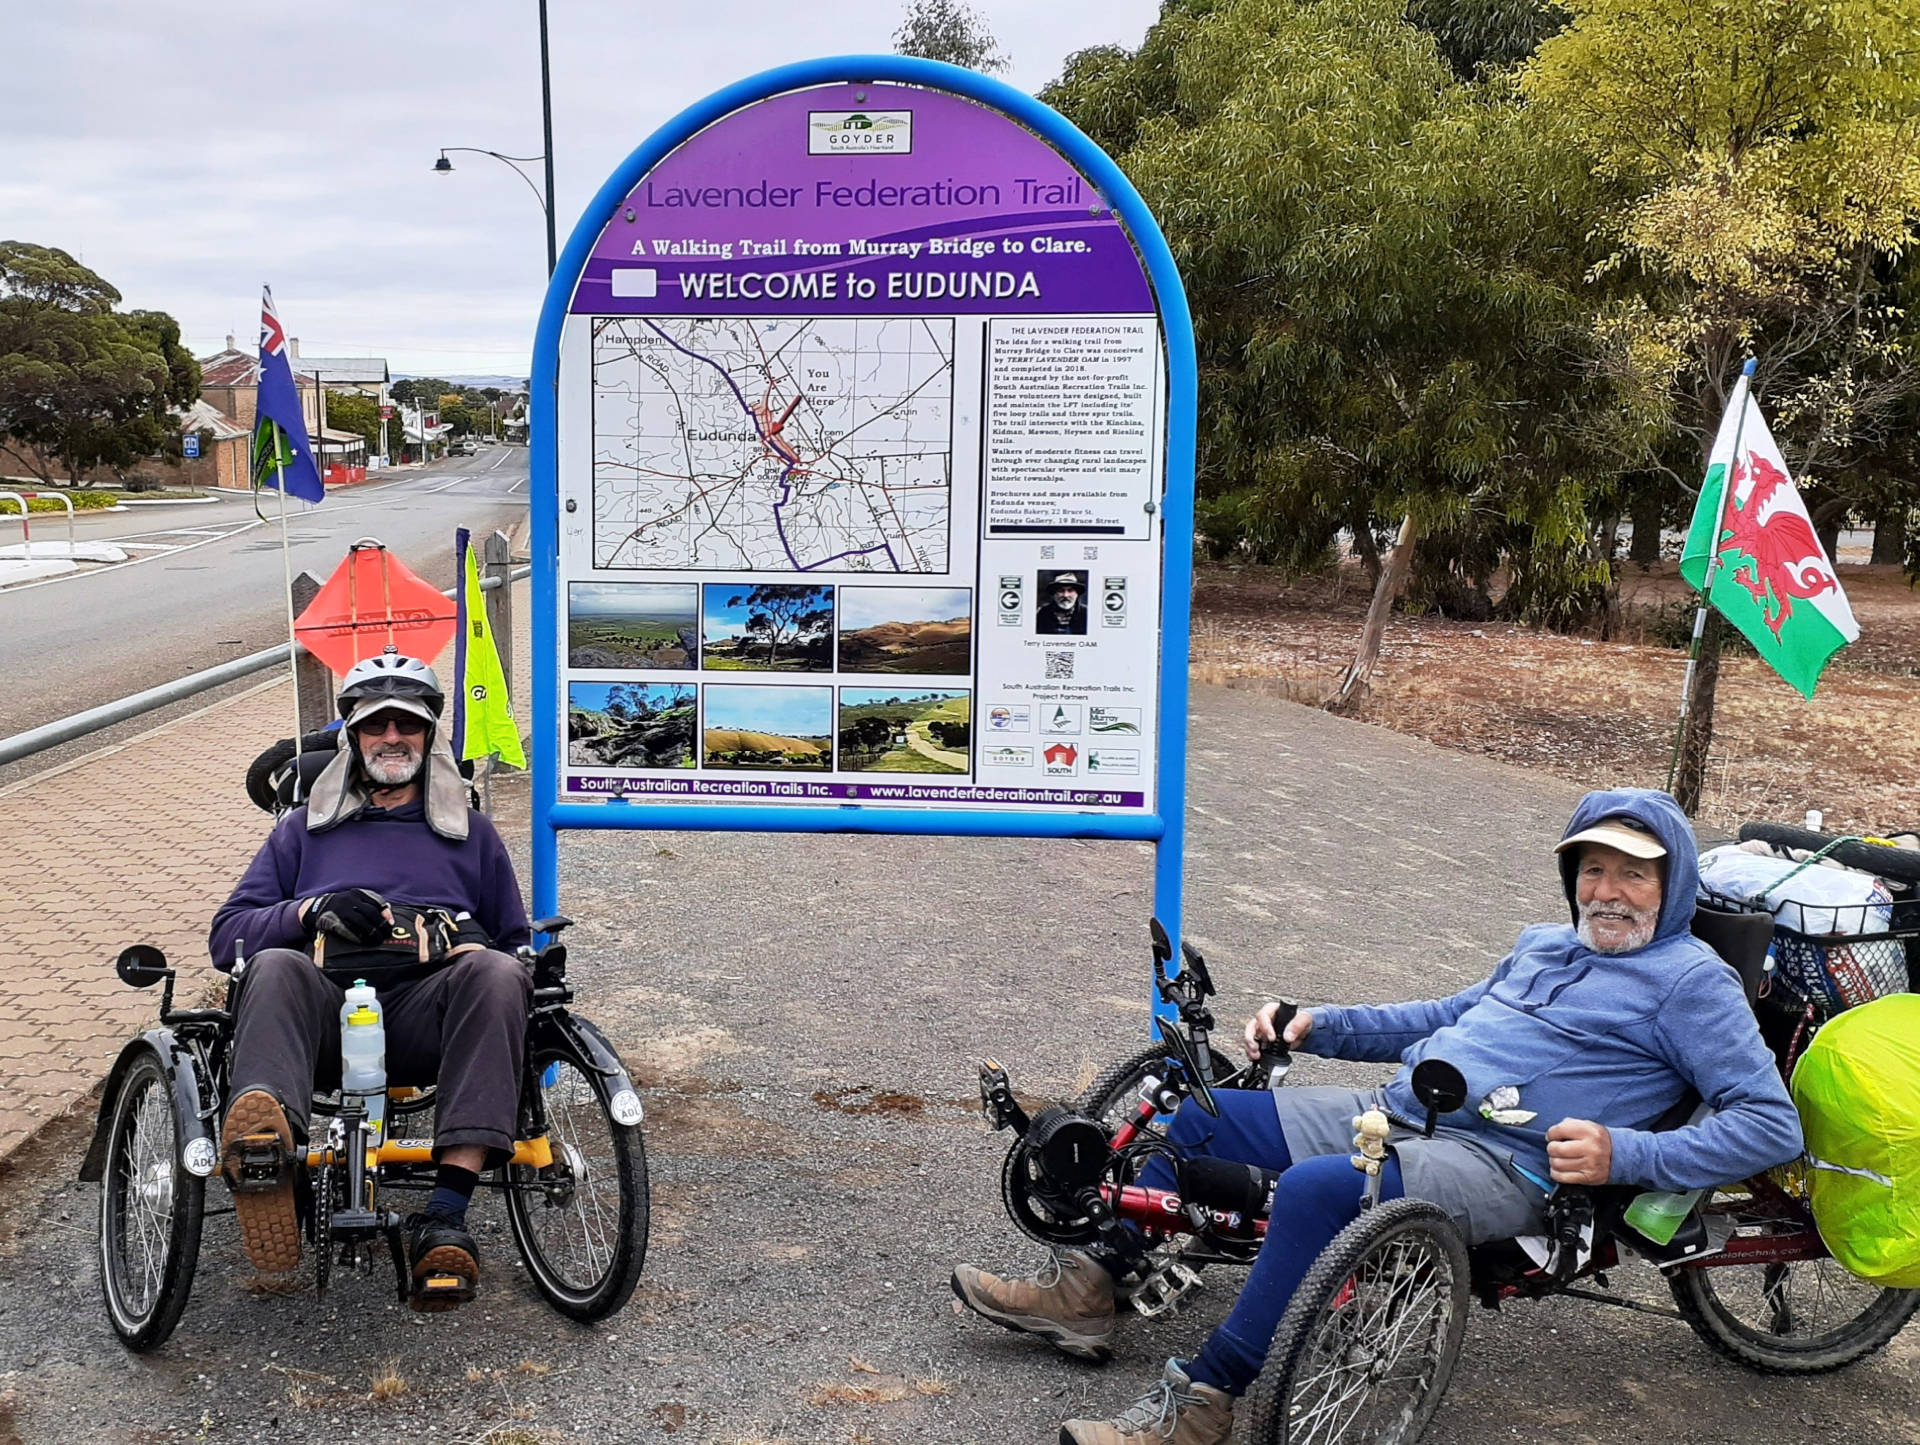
x: 836, y: 1393
x: 306, y: 1389
x: 388, y: 1384
x: 1600, y: 712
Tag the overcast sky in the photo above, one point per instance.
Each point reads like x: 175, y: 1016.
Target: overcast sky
x: 190, y: 153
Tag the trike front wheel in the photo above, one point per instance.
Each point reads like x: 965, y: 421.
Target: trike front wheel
x: 580, y: 1223
x: 150, y: 1210
x: 1367, y: 1347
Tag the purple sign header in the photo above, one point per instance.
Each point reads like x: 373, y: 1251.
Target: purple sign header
x: 863, y: 200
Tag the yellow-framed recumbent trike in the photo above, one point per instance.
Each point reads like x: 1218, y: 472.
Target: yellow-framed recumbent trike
x: 575, y: 1188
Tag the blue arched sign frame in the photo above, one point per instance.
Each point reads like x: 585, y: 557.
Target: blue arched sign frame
x: 1165, y: 825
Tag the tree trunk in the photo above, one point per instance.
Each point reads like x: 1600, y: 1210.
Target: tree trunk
x: 1393, y: 577
x: 1362, y: 528
x: 1689, y: 777
x: 1890, y: 537
x: 1647, y: 512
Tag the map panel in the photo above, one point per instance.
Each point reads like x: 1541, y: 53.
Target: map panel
x: 778, y: 445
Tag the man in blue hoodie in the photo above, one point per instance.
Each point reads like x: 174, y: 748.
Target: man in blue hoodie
x: 1584, y: 1036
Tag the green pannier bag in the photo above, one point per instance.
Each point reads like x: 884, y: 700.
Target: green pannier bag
x: 1858, y: 1092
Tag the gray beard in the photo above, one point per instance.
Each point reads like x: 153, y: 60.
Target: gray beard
x: 393, y: 772
x: 1645, y: 921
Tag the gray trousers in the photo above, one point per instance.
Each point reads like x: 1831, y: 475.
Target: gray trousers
x: 1476, y: 1184
x: 463, y: 1029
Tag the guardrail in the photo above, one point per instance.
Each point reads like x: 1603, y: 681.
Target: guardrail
x: 66, y: 729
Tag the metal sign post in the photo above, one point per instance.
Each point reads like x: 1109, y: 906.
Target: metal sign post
x: 862, y: 475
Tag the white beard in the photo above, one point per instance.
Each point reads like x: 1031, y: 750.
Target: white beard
x: 392, y: 770
x: 1644, y: 921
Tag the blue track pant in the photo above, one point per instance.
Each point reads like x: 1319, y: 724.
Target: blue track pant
x: 1315, y: 1199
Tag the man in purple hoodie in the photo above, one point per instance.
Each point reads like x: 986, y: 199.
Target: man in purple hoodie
x: 386, y: 842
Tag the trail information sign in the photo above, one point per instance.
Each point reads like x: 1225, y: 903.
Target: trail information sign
x: 863, y: 467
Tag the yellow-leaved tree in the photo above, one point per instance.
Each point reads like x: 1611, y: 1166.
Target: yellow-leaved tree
x: 1765, y: 161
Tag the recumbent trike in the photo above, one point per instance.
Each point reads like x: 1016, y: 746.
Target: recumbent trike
x: 575, y: 1187
x: 1367, y: 1346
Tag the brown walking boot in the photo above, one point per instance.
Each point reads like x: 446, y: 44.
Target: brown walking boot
x: 1174, y: 1412
x: 257, y: 1158
x: 1068, y: 1302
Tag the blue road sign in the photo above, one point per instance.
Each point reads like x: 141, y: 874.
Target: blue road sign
x: 190, y: 445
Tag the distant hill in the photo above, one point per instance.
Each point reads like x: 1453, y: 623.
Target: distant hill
x: 938, y: 648
x: 732, y: 740
x: 505, y: 383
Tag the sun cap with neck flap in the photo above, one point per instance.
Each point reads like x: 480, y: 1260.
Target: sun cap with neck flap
x: 386, y: 683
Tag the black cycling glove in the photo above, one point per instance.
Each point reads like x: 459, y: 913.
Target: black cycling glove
x: 356, y: 915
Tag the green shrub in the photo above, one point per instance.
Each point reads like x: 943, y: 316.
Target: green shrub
x: 82, y: 502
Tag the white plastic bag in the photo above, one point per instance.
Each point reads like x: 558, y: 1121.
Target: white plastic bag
x: 1815, y: 900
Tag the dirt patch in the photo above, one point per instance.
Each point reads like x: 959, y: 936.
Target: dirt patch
x: 865, y: 1099
x: 676, y: 1054
x: 1600, y: 712
x: 712, y: 1126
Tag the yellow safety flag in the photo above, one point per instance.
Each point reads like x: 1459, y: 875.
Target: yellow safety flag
x: 488, y: 713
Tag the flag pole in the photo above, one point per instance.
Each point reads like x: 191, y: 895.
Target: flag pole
x: 1713, y: 569
x: 293, y: 639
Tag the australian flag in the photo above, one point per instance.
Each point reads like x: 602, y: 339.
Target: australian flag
x: 282, y: 457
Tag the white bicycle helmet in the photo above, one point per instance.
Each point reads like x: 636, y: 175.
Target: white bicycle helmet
x: 391, y: 680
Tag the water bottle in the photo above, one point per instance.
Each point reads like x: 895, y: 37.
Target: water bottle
x: 363, y: 1052
x: 1658, y: 1213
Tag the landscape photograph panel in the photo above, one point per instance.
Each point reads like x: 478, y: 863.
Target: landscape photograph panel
x: 927, y: 631
x: 630, y: 724
x: 769, y: 728
x: 766, y: 627
x: 910, y: 730
x: 633, y: 625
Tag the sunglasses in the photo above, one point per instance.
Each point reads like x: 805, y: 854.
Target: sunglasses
x: 406, y: 724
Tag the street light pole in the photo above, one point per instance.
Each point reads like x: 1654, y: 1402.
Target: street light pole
x: 546, y: 121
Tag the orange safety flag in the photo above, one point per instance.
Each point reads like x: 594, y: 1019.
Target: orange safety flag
x: 374, y: 600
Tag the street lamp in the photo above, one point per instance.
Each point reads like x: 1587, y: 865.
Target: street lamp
x: 444, y: 167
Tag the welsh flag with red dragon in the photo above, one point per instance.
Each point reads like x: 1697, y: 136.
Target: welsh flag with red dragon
x: 1775, y: 581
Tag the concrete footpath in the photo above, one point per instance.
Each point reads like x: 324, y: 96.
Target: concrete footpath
x: 135, y: 843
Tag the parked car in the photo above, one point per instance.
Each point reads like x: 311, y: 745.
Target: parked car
x: 460, y: 448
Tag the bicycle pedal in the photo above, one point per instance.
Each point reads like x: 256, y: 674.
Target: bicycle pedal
x: 1163, y: 1290
x: 257, y: 1163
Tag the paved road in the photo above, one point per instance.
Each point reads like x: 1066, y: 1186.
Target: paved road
x: 74, y: 642
x: 804, y: 1015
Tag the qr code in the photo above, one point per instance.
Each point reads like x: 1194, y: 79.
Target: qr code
x: 1059, y: 667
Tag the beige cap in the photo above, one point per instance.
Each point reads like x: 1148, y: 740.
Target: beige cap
x: 369, y: 707
x: 1629, y: 835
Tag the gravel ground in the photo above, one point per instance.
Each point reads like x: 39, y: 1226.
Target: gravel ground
x: 804, y: 1015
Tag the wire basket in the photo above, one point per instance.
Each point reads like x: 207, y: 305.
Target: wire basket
x: 1834, y: 957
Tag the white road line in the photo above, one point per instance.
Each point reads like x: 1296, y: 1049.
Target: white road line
x: 134, y: 561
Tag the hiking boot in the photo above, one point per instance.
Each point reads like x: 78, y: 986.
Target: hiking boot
x: 444, y: 1262
x: 257, y: 1158
x: 1174, y: 1412
x: 1069, y: 1302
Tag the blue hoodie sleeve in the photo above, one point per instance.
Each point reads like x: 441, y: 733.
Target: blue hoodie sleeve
x: 1381, y: 1033
x: 1708, y: 1033
x: 262, y: 911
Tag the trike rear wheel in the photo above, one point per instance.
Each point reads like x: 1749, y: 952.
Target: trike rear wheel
x: 150, y: 1210
x: 1800, y: 1317
x: 1367, y: 1347
x: 581, y: 1223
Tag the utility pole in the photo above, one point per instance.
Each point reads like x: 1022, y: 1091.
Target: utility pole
x: 546, y: 122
